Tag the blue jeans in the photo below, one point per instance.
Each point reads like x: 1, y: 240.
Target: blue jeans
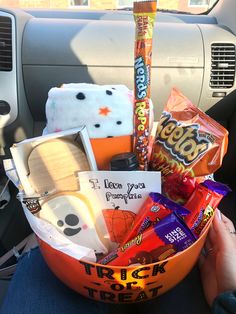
x: 35, y: 290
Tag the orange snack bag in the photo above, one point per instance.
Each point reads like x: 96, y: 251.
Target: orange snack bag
x: 144, y: 15
x: 188, y: 145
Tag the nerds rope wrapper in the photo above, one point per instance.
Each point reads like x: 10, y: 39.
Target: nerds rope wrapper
x: 144, y: 16
x: 188, y: 144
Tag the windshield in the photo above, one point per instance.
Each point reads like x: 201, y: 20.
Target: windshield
x: 187, y: 6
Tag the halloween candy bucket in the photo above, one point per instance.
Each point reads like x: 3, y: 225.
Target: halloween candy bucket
x: 117, y: 284
x: 74, y: 264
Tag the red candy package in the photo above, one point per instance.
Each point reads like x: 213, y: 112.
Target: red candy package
x: 188, y: 144
x: 155, y: 208
x: 179, y: 187
x: 202, y: 204
x: 158, y: 242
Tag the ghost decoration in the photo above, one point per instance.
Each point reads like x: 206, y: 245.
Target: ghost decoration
x: 72, y: 215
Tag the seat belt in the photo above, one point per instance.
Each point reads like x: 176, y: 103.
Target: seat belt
x: 24, y: 246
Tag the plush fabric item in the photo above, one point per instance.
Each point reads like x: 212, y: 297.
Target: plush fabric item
x: 107, y: 110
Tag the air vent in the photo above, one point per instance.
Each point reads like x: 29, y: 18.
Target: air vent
x: 5, y: 43
x: 222, y: 65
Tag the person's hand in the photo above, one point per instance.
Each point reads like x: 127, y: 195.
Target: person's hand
x: 218, y: 266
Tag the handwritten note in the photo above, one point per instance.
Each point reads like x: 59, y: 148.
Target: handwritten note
x: 124, y: 189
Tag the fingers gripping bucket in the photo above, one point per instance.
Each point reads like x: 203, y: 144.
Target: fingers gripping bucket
x: 115, y: 284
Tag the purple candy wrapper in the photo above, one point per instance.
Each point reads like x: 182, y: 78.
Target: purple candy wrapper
x: 173, y: 230
x: 158, y: 242
x: 217, y: 187
x: 163, y: 200
x: 155, y: 208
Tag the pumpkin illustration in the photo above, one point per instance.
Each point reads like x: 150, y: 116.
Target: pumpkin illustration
x: 118, y: 223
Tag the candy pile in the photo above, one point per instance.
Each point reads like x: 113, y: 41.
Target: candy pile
x: 188, y: 147
x: 162, y: 227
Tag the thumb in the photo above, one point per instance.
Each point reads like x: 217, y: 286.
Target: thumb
x: 222, y: 235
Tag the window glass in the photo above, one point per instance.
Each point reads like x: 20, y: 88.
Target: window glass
x: 200, y: 2
x: 79, y: 3
x: 188, y: 6
x: 125, y: 3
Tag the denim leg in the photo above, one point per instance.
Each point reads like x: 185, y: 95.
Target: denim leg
x: 186, y: 298
x: 35, y: 290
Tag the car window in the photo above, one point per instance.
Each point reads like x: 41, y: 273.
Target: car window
x: 181, y: 6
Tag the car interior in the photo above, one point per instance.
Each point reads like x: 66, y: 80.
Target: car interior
x: 45, y: 48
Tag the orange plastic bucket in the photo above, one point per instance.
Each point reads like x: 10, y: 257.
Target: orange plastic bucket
x: 115, y: 284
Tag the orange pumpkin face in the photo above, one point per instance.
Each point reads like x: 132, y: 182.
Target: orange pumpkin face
x: 118, y: 223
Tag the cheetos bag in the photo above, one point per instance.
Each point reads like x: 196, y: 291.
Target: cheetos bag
x: 188, y: 146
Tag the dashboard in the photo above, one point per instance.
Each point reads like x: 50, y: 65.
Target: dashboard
x: 47, y: 48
